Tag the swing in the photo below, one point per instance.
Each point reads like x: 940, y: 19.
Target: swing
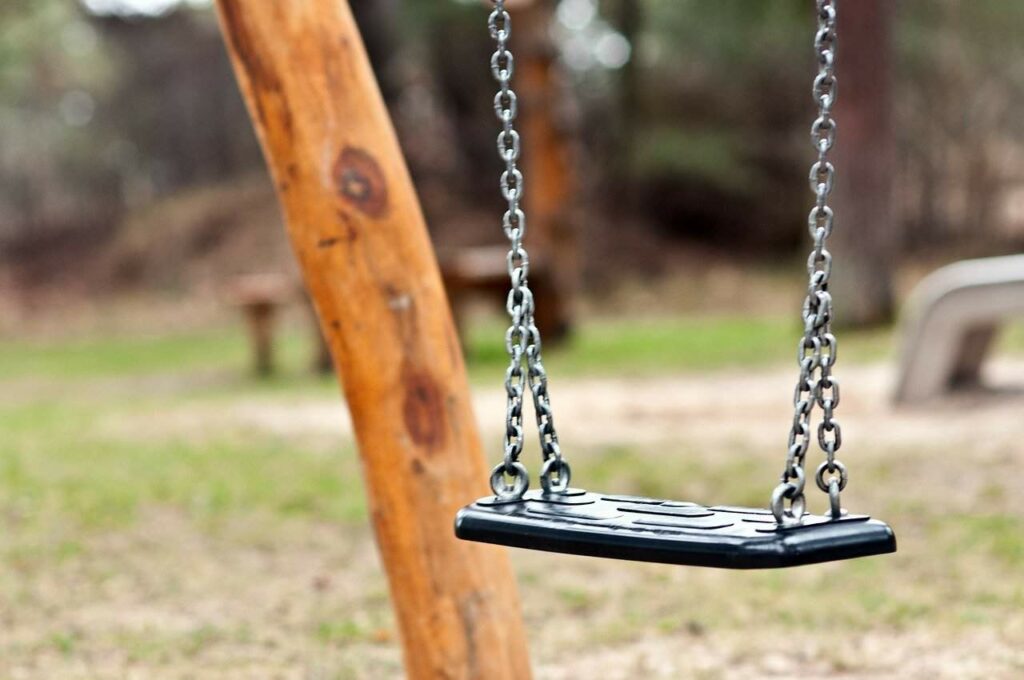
x: 559, y: 518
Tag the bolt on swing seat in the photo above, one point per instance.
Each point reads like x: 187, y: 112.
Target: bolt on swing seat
x: 559, y: 518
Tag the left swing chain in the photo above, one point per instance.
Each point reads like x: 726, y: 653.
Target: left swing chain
x: 522, y: 339
x: 818, y: 347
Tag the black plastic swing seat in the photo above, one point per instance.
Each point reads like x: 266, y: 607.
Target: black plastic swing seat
x: 674, y: 532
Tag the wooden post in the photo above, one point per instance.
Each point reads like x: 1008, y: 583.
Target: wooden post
x: 357, y: 229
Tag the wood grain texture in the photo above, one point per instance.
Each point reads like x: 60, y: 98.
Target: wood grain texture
x: 357, y: 229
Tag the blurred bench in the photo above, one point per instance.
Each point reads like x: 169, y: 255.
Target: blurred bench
x: 260, y: 297
x: 952, y: 320
x: 482, y: 271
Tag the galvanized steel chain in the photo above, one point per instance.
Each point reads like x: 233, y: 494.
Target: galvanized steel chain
x: 817, y: 350
x: 522, y: 339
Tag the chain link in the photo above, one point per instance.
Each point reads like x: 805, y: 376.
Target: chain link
x: 817, y: 351
x: 522, y: 340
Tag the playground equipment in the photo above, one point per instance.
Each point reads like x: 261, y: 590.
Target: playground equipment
x: 366, y: 258
x: 559, y: 518
x: 952, y: 319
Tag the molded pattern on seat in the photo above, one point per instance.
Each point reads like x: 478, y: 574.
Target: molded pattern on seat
x: 674, y: 532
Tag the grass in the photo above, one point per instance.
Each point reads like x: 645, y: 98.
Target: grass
x: 598, y: 347
x: 604, y: 346
x: 96, y: 479
x: 101, y: 435
x: 652, y: 346
x: 117, y: 357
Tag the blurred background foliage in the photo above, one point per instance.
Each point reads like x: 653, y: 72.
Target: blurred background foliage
x: 126, y: 155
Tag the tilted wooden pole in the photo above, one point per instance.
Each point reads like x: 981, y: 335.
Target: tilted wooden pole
x: 357, y: 229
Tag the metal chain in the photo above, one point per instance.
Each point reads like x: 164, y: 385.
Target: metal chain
x: 818, y: 347
x: 522, y: 339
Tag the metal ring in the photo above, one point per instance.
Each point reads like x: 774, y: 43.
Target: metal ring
x: 834, y: 466
x: 502, y: 73
x: 501, y: 488
x: 797, y: 507
x: 814, y: 345
x: 514, y: 224
x: 833, y: 498
x: 559, y: 466
x: 828, y: 340
x: 506, y: 107
x: 826, y: 427
x: 511, y: 184
x: 820, y: 217
x: 499, y: 33
x: 798, y: 473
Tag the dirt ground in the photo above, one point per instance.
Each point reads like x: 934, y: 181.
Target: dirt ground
x: 169, y: 598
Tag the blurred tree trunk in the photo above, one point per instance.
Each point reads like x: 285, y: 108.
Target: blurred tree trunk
x: 378, y: 24
x: 548, y: 168
x: 627, y: 18
x: 866, y: 238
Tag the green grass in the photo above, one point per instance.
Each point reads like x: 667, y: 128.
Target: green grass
x: 339, y: 632
x: 89, y: 482
x: 82, y: 461
x: 681, y: 473
x: 1000, y: 537
x: 74, y: 448
x: 101, y: 435
x: 1010, y: 339
x: 75, y: 453
x: 600, y: 347
x: 114, y: 357
x: 649, y: 346
x: 96, y: 431
x: 221, y: 349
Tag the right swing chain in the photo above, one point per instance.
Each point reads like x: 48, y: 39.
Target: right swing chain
x: 818, y: 347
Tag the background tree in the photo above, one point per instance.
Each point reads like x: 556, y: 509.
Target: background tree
x: 866, y: 239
